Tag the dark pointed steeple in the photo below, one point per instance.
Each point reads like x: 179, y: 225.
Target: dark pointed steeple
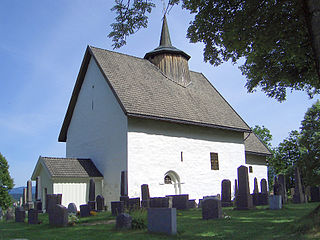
x: 165, y: 40
x: 172, y: 61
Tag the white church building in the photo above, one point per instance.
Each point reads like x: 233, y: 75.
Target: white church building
x: 166, y: 125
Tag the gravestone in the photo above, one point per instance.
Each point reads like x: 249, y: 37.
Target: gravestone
x: 255, y: 194
x: 72, y: 208
x: 159, y: 202
x: 263, y: 185
x: 283, y: 190
x: 33, y: 216
x: 263, y: 199
x: 275, y: 202
x: 20, y: 214
x: 38, y: 206
x: 29, y: 195
x: 134, y: 203
x: 9, y: 214
x: 92, y: 195
x: 58, y: 216
x: 85, y: 210
x: 298, y: 196
x: 52, y: 201
x: 243, y: 198
x: 125, y: 200
x: 117, y: 207
x: 276, y: 187
x: 211, y: 208
x: 123, y: 221
x: 24, y: 195
x: 100, y: 203
x: 124, y: 184
x: 145, y: 195
x: 314, y: 194
x: 20, y: 202
x: 180, y: 202
x: 92, y: 205
x: 192, y: 203
x: 226, y: 193
x: 162, y: 220
x: 38, y: 189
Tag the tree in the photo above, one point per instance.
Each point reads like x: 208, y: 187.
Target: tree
x: 265, y: 136
x: 310, y: 145
x: 277, y: 38
x: 6, y: 183
x: 286, y: 157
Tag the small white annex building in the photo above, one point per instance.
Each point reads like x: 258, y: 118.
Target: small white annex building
x: 165, y: 125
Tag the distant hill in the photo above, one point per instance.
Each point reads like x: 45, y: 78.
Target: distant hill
x: 17, y: 192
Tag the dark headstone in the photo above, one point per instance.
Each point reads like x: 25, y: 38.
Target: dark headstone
x: 100, y: 203
x: 226, y: 193
x: 256, y: 188
x: 33, y: 216
x: 275, y: 202
x: 264, y: 187
x: 52, y: 201
x: 192, y: 203
x: 180, y: 202
x: 235, y: 187
x: 38, y: 189
x: 20, y: 214
x: 262, y: 199
x: 123, y: 221
x: 162, y: 220
x: 211, y: 208
x: 72, y: 208
x: 277, y: 188
x: 159, y: 202
x: 298, y: 196
x: 145, y: 195
x: 92, y: 191
x: 200, y: 203
x: 92, y: 205
x: 117, y: 207
x: 243, y: 198
x: 145, y: 203
x: 124, y: 184
x: 125, y: 200
x: 58, y: 216
x: 38, y: 206
x: 85, y: 210
x: 134, y: 203
x: 315, y: 194
x: 283, y: 193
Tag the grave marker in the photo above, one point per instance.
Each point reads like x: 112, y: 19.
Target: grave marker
x: 243, y: 198
x: 123, y: 221
x: 226, y: 193
x: 211, y: 208
x: 58, y: 216
x: 162, y: 220
x: 20, y: 214
x: 100, y: 203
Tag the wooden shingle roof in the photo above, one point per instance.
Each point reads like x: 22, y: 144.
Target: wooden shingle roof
x: 68, y: 167
x: 142, y: 90
x: 254, y: 145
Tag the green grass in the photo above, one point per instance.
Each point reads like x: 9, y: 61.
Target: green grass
x: 292, y: 222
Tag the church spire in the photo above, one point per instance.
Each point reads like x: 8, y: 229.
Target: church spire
x: 165, y: 40
x: 171, y: 61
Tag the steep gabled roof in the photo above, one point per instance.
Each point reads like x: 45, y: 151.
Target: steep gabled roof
x: 67, y: 167
x: 142, y: 90
x: 254, y: 145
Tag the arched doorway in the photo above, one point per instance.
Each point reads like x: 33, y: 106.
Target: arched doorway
x: 171, y: 177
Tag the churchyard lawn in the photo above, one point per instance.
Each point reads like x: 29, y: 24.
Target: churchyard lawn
x: 290, y: 222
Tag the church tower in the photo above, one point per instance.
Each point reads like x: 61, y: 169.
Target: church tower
x: 170, y: 60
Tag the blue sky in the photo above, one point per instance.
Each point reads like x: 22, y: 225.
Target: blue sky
x: 42, y: 45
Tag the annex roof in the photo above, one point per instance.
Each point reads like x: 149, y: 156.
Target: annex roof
x: 142, y: 90
x: 254, y: 145
x: 67, y: 167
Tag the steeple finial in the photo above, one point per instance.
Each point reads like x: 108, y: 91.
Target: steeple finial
x: 165, y: 40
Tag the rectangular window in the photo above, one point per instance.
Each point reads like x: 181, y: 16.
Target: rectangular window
x: 181, y: 156
x: 250, y: 169
x: 214, y: 161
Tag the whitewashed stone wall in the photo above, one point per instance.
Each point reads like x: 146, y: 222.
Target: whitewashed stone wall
x: 98, y: 130
x: 154, y: 148
x: 259, y: 169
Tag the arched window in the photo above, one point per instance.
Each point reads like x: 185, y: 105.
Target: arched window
x: 167, y: 179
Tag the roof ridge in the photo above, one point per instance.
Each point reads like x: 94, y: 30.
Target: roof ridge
x: 60, y: 158
x: 106, y: 50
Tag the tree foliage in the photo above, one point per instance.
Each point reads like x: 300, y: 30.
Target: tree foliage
x: 6, y: 183
x: 271, y: 35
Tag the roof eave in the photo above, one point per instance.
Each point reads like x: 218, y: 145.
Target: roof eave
x: 180, y: 121
x: 259, y: 153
